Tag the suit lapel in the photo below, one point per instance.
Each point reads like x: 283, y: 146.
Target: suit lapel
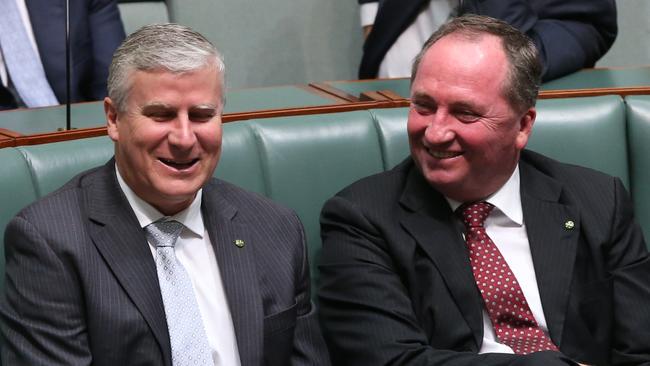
x: 238, y: 271
x: 553, y: 232
x: 429, y: 219
x: 116, y: 233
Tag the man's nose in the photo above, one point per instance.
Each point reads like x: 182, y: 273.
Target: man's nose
x: 440, y: 128
x: 182, y: 133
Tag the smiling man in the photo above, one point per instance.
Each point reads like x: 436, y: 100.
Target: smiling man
x: 475, y: 251
x: 149, y: 260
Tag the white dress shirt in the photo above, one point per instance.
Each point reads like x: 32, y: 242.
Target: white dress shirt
x: 398, y: 60
x: 24, y: 15
x: 196, y: 253
x: 506, y: 227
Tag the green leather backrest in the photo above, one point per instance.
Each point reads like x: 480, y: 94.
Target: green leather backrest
x: 240, y: 161
x: 16, y: 190
x: 307, y: 159
x: 51, y: 165
x: 391, y: 126
x: 638, y: 119
x: 585, y: 131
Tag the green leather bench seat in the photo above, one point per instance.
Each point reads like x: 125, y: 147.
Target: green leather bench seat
x: 273, y: 97
x: 601, y: 78
x: 584, y: 131
x: 399, y: 86
x: 301, y: 161
x: 48, y: 119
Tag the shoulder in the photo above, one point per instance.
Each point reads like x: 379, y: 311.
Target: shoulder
x: 243, y: 200
x: 68, y: 197
x: 595, y: 193
x: 569, y: 174
x: 250, y: 209
x: 384, y: 186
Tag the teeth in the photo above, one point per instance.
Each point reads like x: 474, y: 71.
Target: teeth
x: 443, y: 154
x: 179, y: 165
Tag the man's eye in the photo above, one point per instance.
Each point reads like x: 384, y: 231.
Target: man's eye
x: 202, y: 116
x: 423, y: 109
x: 161, y: 116
x: 467, y: 116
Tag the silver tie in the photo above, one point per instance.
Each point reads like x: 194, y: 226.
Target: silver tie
x: 186, y: 333
x: 24, y: 66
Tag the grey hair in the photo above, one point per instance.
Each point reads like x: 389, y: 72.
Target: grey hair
x: 172, y: 47
x: 525, y: 69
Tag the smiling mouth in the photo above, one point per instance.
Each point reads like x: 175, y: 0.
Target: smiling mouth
x: 444, y: 154
x: 179, y: 165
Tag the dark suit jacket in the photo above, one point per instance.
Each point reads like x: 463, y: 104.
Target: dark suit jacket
x: 95, y: 32
x: 570, y: 34
x: 397, y: 286
x: 81, y: 285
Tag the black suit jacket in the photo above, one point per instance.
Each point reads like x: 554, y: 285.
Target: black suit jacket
x: 95, y: 32
x: 570, y: 34
x: 81, y: 285
x: 397, y: 286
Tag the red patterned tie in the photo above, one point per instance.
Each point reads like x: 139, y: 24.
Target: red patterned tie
x: 513, y: 322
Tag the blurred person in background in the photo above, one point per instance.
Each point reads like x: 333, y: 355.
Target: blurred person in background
x: 33, y: 45
x: 570, y: 35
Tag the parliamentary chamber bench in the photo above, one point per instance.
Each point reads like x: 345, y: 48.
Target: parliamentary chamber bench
x: 300, y: 161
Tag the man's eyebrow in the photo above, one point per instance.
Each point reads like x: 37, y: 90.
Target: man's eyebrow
x: 461, y: 105
x: 422, y: 98
x: 206, y: 106
x: 155, y: 106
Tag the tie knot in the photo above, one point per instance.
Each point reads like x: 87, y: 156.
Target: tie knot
x: 163, y: 233
x: 474, y: 214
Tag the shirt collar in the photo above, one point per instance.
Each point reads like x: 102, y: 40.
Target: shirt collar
x: 190, y: 217
x: 506, y: 199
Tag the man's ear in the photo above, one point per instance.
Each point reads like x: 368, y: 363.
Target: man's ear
x: 110, y: 110
x: 526, y: 123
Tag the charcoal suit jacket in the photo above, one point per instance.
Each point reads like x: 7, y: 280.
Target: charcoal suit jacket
x: 570, y: 35
x: 398, y: 289
x: 81, y: 286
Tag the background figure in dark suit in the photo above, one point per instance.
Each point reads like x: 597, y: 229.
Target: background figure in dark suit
x: 401, y: 272
x: 570, y: 35
x: 84, y: 285
x: 95, y: 32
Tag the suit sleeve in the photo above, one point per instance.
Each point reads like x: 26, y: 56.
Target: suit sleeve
x: 42, y: 312
x: 629, y: 265
x: 107, y: 32
x: 570, y: 35
x: 366, y: 312
x: 309, y: 346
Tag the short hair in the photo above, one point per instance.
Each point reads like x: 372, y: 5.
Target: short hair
x: 171, y: 47
x: 525, y: 69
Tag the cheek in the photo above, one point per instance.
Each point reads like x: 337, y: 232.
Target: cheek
x: 210, y: 139
x: 416, y: 125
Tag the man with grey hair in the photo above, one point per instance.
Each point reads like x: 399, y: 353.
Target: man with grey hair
x: 475, y: 251
x: 148, y: 260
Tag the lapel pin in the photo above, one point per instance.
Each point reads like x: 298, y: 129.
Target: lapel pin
x: 569, y: 225
x: 239, y: 243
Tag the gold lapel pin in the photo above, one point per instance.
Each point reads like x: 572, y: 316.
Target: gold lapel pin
x: 569, y: 225
x: 239, y: 243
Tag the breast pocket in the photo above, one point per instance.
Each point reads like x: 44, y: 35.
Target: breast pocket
x: 278, y: 336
